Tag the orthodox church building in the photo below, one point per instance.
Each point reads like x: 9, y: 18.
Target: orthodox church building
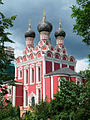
x: 38, y: 71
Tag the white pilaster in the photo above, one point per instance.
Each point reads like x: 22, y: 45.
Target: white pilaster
x: 52, y: 87
x: 60, y: 65
x: 52, y: 66
x: 44, y: 71
x: 13, y: 100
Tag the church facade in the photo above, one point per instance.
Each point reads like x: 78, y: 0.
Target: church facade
x: 38, y: 71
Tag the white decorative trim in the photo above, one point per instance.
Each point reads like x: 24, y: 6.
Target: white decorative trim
x: 78, y: 79
x: 14, y: 93
x: 31, y: 61
x: 52, y: 87
x: 37, y: 88
x: 15, y: 72
x: 26, y: 68
x: 44, y: 71
x: 52, y: 66
x: 20, y: 70
x: 56, y: 75
x: 30, y: 98
x: 32, y: 66
x: 38, y: 65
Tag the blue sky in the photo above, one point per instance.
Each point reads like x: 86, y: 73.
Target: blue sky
x: 55, y: 9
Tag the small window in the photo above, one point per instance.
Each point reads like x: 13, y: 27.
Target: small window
x: 33, y: 101
x: 26, y: 98
x: 39, y: 96
x: 39, y: 74
x: 32, y: 75
x: 78, y: 82
x: 9, y: 92
x: 20, y: 74
x: 26, y: 76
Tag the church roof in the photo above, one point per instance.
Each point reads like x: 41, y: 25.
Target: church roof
x: 64, y: 71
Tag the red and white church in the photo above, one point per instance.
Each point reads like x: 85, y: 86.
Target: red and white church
x: 38, y: 71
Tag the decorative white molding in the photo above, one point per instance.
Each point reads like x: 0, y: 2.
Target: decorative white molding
x: 32, y: 67
x: 78, y: 79
x: 52, y: 66
x: 26, y: 68
x: 14, y: 94
x: 44, y: 71
x: 31, y: 61
x: 20, y: 70
x: 37, y: 88
x: 37, y: 66
x: 52, y: 87
x: 30, y: 98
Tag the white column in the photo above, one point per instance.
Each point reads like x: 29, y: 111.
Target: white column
x: 52, y: 87
x: 13, y: 100
x: 15, y: 72
x: 24, y: 76
x: 52, y: 66
x: 67, y: 65
x: 60, y: 65
x: 44, y: 71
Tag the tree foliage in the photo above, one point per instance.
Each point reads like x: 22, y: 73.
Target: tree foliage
x: 10, y: 113
x: 71, y: 102
x: 5, y: 58
x: 81, y: 13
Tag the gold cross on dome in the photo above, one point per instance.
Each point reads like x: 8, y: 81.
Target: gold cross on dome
x: 44, y: 15
x: 29, y: 23
x: 59, y: 24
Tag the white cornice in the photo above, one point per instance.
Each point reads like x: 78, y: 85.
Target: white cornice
x: 29, y: 62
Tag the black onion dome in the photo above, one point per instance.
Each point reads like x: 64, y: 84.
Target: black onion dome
x: 30, y: 32
x: 44, y: 26
x: 60, y: 32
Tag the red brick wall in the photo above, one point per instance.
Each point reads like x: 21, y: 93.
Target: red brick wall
x: 56, y: 66
x: 19, y: 95
x: 63, y: 65
x: 48, y: 88
x: 71, y: 67
x: 48, y: 67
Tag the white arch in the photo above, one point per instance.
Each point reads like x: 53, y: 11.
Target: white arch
x: 30, y: 98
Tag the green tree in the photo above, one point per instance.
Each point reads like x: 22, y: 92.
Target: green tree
x: 42, y: 111
x: 5, y: 58
x: 81, y: 13
x: 6, y: 110
x: 71, y: 102
x: 10, y: 113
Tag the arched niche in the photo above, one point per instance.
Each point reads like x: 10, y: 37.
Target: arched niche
x: 57, y: 55
x: 32, y: 99
x: 64, y: 57
x: 71, y: 59
x: 38, y: 54
x: 44, y: 47
x: 31, y: 56
x: 24, y: 58
x: 49, y: 54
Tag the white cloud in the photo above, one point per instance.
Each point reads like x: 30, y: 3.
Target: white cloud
x: 18, y: 53
x: 82, y: 65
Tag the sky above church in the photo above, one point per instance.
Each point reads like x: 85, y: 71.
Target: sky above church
x: 55, y: 10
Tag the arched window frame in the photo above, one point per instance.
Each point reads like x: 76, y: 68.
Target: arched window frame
x: 49, y: 53
x: 32, y: 67
x: 65, y: 57
x: 58, y: 55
